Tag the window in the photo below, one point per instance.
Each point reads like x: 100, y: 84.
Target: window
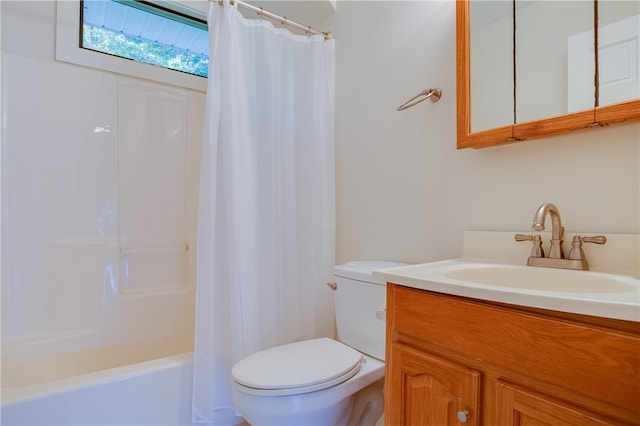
x: 155, y: 33
x: 164, y: 41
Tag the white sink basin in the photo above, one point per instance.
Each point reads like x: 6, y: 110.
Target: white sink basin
x: 582, y: 292
x: 541, y: 279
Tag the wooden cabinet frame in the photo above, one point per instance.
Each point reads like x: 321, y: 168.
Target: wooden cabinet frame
x: 588, y: 366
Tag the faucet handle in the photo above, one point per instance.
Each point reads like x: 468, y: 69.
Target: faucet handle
x: 536, y: 250
x: 576, y: 252
x: 600, y: 239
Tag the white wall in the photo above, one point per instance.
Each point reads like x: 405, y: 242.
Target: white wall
x: 100, y: 179
x: 403, y: 190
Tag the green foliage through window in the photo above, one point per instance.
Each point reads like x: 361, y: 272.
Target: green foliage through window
x: 160, y: 33
x: 119, y: 44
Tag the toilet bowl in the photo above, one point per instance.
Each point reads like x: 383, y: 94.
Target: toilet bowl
x: 320, y: 381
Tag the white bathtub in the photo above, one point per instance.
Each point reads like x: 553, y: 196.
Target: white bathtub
x: 156, y: 392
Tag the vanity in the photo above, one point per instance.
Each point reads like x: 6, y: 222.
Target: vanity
x: 453, y: 360
x: 484, y: 353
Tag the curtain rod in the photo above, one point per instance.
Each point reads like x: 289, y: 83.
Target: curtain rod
x: 283, y: 20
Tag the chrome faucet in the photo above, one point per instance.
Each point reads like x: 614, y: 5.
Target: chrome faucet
x: 556, y: 259
x: 557, y: 230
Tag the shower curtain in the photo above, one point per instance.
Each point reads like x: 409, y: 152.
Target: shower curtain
x: 266, y: 221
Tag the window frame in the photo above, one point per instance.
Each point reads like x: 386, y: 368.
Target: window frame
x: 68, y: 50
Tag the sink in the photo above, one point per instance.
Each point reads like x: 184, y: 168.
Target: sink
x: 582, y: 292
x: 541, y: 279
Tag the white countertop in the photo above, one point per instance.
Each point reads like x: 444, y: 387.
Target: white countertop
x: 623, y: 302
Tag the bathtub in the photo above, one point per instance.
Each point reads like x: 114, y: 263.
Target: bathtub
x: 156, y: 392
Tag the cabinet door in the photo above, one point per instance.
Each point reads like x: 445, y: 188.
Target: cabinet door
x: 426, y: 390
x: 519, y: 407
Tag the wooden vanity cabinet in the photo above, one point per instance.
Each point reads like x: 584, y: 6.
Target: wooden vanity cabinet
x: 452, y: 360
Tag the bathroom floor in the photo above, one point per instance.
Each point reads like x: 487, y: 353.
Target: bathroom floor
x: 380, y: 422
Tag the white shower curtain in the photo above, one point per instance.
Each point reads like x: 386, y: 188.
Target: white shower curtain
x: 266, y: 221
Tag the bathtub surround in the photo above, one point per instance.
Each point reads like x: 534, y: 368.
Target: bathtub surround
x: 266, y: 207
x: 96, y: 213
x: 100, y: 177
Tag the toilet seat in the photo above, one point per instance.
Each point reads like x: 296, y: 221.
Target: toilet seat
x: 297, y: 368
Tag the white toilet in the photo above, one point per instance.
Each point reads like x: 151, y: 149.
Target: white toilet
x: 323, y: 381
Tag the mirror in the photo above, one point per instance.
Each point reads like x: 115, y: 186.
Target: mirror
x: 542, y: 56
x: 492, y: 64
x: 545, y: 86
x: 618, y: 41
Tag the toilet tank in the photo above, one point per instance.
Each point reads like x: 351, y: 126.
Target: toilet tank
x: 360, y: 303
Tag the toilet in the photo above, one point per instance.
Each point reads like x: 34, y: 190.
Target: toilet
x: 323, y: 381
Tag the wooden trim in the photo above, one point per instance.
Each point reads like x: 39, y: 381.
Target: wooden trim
x: 553, y: 126
x: 618, y: 113
x: 463, y: 74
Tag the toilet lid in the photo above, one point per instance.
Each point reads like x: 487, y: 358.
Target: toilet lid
x: 299, y: 367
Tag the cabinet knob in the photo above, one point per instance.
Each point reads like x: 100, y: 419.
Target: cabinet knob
x: 332, y: 285
x: 463, y: 416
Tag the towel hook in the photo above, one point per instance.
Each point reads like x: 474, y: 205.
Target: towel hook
x: 433, y: 94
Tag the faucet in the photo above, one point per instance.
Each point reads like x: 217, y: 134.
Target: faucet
x: 557, y: 230
x: 556, y: 258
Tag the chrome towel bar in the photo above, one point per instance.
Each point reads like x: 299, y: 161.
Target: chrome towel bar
x: 433, y: 94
